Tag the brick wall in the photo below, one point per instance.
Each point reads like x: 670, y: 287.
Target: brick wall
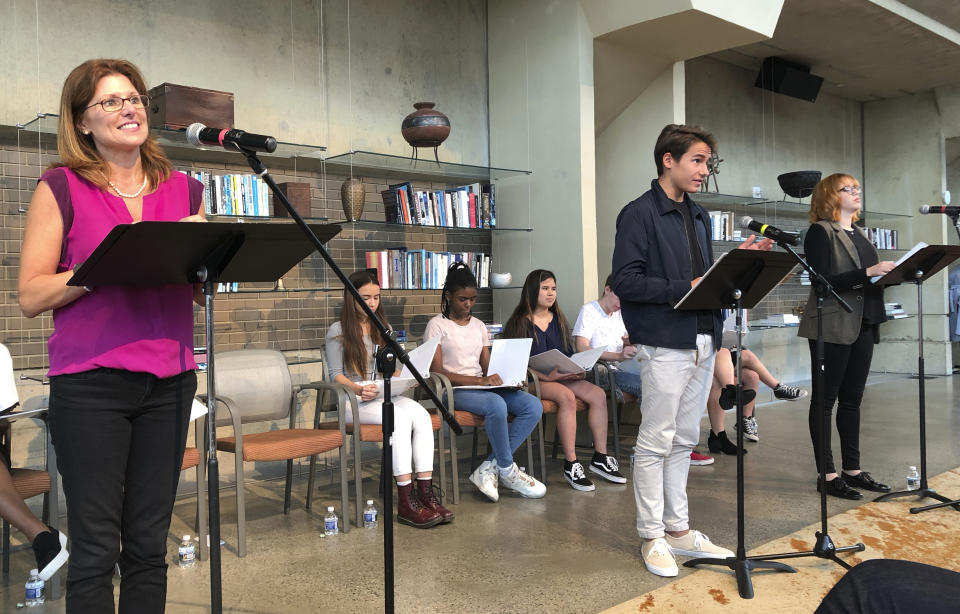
x: 293, y: 319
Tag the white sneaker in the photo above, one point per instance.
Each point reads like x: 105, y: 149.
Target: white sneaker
x: 484, y: 477
x: 522, y: 483
x: 658, y: 559
x: 697, y: 544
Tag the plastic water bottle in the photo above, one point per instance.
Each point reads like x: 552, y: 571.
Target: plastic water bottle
x: 913, y: 479
x: 330, y: 525
x: 33, y: 589
x: 187, y: 553
x: 370, y: 519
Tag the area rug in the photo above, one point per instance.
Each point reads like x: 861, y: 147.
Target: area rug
x: 888, y: 530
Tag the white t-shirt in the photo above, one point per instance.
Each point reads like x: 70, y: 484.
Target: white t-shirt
x: 460, y: 346
x: 600, y: 329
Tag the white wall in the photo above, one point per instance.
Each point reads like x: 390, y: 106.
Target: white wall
x: 307, y: 71
x: 541, y: 119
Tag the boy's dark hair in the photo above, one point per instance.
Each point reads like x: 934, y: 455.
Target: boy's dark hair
x: 677, y: 139
x: 609, y: 282
x: 459, y: 276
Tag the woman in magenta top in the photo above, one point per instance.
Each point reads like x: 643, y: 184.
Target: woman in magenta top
x: 121, y: 357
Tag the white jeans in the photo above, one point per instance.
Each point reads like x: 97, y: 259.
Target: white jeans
x: 676, y: 384
x: 412, y: 432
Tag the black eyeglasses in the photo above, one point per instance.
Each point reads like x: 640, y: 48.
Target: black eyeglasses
x: 112, y: 105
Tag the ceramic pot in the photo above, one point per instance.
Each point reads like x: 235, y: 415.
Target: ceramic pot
x: 351, y: 198
x: 425, y: 127
x: 500, y: 280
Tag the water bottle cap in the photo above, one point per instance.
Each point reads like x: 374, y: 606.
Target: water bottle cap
x: 912, y: 468
x: 330, y: 509
x: 34, y: 572
x: 186, y: 538
x: 369, y: 501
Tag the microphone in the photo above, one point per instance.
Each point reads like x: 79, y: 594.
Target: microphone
x: 198, y: 134
x: 940, y: 209
x: 768, y: 231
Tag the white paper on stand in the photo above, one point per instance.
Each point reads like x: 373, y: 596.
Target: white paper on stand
x: 581, y: 362
x: 197, y: 409
x: 508, y: 359
x: 913, y: 250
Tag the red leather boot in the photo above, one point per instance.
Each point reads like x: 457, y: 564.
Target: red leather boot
x: 428, y: 497
x: 410, y: 511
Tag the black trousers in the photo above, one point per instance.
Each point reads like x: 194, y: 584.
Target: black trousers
x: 119, y: 438
x: 845, y: 369
x: 888, y: 586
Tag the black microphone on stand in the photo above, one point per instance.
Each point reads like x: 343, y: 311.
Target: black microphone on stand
x: 198, y: 134
x: 780, y: 236
x: 940, y: 209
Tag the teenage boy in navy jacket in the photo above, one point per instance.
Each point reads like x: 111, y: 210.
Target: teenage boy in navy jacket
x: 662, y: 249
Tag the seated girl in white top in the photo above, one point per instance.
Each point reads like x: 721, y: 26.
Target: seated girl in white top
x: 351, y: 362
x: 463, y: 356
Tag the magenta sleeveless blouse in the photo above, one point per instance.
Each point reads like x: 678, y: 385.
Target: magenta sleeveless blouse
x: 136, y: 328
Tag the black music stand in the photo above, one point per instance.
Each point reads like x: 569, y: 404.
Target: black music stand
x: 739, y: 279
x: 916, y: 269
x: 161, y: 253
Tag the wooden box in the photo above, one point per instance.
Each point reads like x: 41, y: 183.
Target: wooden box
x: 299, y: 196
x: 177, y: 106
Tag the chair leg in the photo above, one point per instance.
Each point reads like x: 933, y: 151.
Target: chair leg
x: 344, y: 488
x: 202, y: 531
x: 286, y: 489
x: 543, y: 456
x: 313, y: 472
x: 443, y: 461
x: 556, y: 441
x: 530, y: 454
x: 358, y: 483
x: 473, y: 454
x: 6, y: 548
x: 454, y: 469
x: 241, y: 511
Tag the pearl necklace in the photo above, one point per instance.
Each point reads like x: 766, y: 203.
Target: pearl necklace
x: 135, y: 194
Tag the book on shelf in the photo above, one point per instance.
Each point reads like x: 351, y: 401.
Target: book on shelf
x: 470, y: 206
x: 240, y: 195
x: 420, y: 269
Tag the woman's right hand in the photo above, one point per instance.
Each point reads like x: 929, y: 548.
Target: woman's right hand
x: 491, y: 380
x: 881, y: 268
x: 368, y: 392
x: 628, y: 352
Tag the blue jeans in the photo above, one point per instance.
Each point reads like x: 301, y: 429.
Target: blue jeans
x: 494, y: 406
x: 628, y: 382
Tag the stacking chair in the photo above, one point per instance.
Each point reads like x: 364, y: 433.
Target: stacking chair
x: 444, y: 391
x: 332, y: 396
x: 28, y: 482
x: 255, y: 386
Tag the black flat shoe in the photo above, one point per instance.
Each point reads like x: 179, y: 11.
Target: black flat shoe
x: 838, y: 488
x: 719, y: 443
x: 865, y: 481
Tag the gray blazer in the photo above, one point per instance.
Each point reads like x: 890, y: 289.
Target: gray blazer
x: 838, y: 325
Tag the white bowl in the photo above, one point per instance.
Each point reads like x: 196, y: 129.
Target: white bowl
x: 500, y: 280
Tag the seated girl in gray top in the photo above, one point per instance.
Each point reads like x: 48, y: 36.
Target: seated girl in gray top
x: 351, y: 362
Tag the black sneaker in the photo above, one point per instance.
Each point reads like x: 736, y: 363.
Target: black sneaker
x: 789, y: 393
x: 573, y: 472
x: 50, y: 548
x: 607, y: 467
x: 728, y: 396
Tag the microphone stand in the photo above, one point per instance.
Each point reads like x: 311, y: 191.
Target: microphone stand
x: 824, y: 547
x: 386, y: 361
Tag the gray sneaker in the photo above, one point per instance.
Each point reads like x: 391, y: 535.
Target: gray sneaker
x: 522, y: 483
x: 750, y: 429
x: 485, y: 478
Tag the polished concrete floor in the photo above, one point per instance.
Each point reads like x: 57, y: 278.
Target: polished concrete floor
x: 569, y: 552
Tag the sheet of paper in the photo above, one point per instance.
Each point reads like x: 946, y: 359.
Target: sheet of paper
x: 581, y: 362
x: 913, y: 250
x: 508, y: 359
x: 197, y: 409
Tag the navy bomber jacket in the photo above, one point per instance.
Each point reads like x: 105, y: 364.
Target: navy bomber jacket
x: 651, y: 268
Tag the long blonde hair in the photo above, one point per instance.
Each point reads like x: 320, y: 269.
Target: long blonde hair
x: 78, y: 151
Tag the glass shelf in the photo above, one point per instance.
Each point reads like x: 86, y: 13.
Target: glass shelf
x: 395, y: 226
x: 387, y: 165
x: 715, y: 199
x: 386, y: 291
x: 175, y: 144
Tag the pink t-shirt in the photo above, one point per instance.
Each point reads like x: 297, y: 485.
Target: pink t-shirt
x: 136, y: 328
x: 460, y: 346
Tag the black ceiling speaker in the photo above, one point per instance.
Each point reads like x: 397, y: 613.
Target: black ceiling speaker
x: 788, y: 78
